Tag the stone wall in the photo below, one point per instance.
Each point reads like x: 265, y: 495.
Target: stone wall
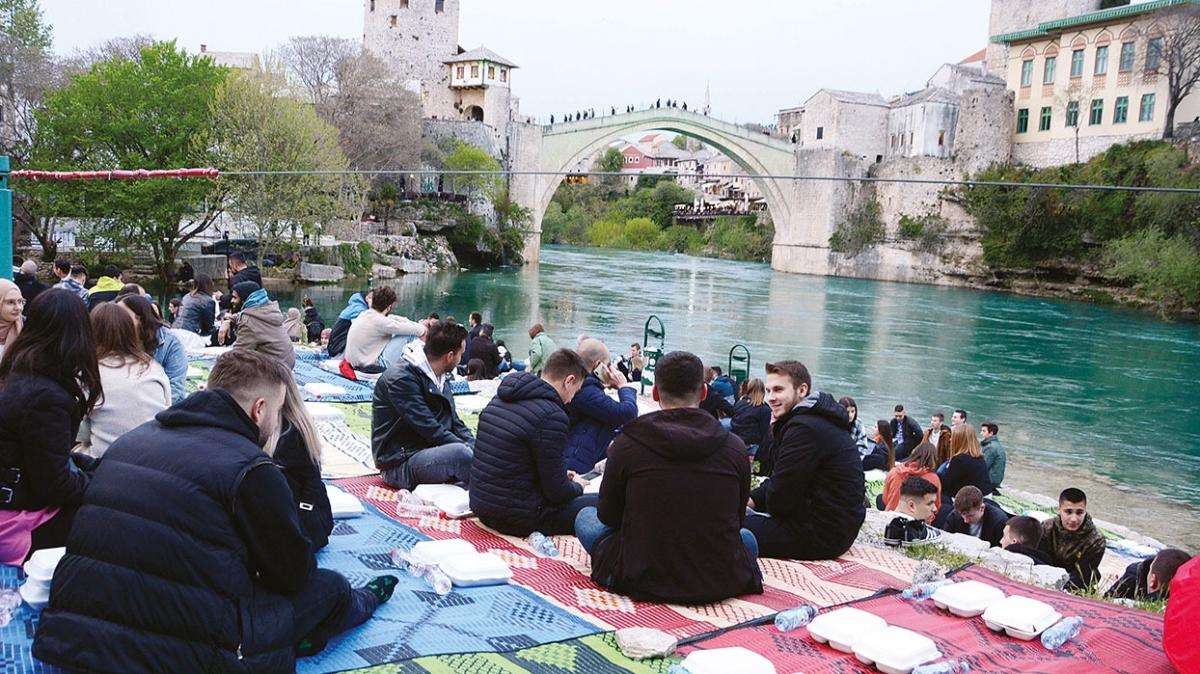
x: 416, y: 47
x: 481, y: 135
x: 984, y: 133
x: 802, y: 242
x: 1010, y: 16
x: 525, y: 143
x: 1062, y: 150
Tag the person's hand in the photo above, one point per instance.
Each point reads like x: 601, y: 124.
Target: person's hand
x: 615, y: 378
x: 580, y: 481
x: 217, y: 295
x: 750, y: 503
x: 599, y: 467
x: 571, y: 475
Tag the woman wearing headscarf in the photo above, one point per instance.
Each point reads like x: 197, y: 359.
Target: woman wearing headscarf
x: 293, y: 325
x: 12, y: 304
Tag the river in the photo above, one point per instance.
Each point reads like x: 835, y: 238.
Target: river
x: 1098, y: 397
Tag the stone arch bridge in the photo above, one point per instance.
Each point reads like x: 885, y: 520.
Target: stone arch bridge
x: 801, y: 235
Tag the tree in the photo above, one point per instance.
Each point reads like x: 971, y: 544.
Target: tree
x: 1179, y: 55
x: 314, y: 62
x: 680, y: 141
x: 379, y: 121
x: 257, y: 128
x: 149, y: 113
x: 612, y: 161
x: 469, y: 158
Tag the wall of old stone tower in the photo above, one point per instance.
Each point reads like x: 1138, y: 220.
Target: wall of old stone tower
x: 415, y: 37
x: 1009, y: 16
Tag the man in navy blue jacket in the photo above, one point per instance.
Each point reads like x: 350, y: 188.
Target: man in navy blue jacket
x: 595, y: 417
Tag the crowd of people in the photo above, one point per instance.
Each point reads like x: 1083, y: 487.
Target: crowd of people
x: 590, y: 113
x: 95, y: 437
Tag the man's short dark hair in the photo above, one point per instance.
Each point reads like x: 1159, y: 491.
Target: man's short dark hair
x: 382, y: 298
x: 247, y: 375
x: 62, y: 265
x: 1072, y: 495
x: 237, y: 256
x: 968, y: 498
x: 486, y: 329
x: 78, y: 269
x: 940, y: 416
x: 992, y: 428
x: 899, y: 408
x: 477, y: 317
x: 444, y: 337
x: 792, y: 369
x: 1166, y: 563
x: 679, y: 376
x: 961, y: 413
x: 433, y: 316
x: 916, y: 487
x: 717, y: 370
x: 635, y: 345
x: 112, y: 271
x: 564, y: 363
x: 1027, y: 530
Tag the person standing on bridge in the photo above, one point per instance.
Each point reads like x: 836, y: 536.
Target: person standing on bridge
x: 551, y: 120
x: 685, y: 106
x: 658, y: 103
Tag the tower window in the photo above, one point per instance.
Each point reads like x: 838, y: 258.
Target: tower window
x: 941, y: 138
x: 475, y: 70
x: 403, y: 4
x: 392, y: 21
x: 462, y: 72
x: 372, y: 5
x: 504, y: 74
x: 491, y: 72
x: 820, y: 132
x: 439, y: 6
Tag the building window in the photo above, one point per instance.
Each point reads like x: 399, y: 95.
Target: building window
x: 1146, y: 114
x: 910, y: 138
x: 1044, y: 122
x: 941, y: 138
x: 820, y: 132
x: 1022, y: 120
x: 1027, y: 73
x: 1154, y: 54
x: 504, y: 74
x: 475, y: 70
x: 1101, y: 67
x: 893, y: 141
x: 1121, y: 110
x: 1073, y: 113
x: 372, y: 5
x: 461, y: 73
x: 439, y: 6
x: 403, y: 4
x: 1049, y: 70
x: 392, y: 21
x: 1127, y: 55
x: 1097, y: 115
x: 491, y: 72
x: 1077, y: 63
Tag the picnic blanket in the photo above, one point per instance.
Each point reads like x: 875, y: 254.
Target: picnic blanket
x: 1114, y: 638
x: 309, y: 373
x: 564, y: 580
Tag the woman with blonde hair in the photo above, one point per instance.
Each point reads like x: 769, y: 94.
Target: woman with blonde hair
x: 135, y: 386
x: 751, y: 419
x: 921, y: 463
x: 966, y: 465
x: 297, y: 452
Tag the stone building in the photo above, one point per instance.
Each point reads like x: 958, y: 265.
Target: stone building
x: 416, y: 38
x: 848, y: 121
x: 480, y: 81
x: 234, y: 60
x: 1088, y: 81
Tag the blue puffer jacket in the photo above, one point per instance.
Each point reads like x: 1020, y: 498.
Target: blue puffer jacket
x: 595, y: 420
x: 518, y: 467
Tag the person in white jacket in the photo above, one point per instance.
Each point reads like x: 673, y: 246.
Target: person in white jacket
x: 377, y: 339
x: 135, y: 386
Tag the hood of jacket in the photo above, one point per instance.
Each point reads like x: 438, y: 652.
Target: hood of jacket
x: 356, y: 306
x: 821, y: 404
x: 106, y: 284
x: 527, y: 386
x: 213, y: 408
x: 266, y: 314
x: 683, y: 434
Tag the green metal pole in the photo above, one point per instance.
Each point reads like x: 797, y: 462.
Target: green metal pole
x: 6, y: 224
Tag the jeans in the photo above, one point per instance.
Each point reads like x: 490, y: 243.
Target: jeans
x: 323, y: 609
x: 590, y: 530
x: 435, y: 465
x: 393, y: 351
x: 727, y: 424
x: 779, y: 541
x: 560, y: 519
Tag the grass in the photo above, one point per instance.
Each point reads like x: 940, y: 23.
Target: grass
x: 1093, y: 592
x: 936, y: 553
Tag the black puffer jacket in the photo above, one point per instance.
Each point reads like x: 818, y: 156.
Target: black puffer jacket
x: 182, y: 555
x: 308, y: 491
x: 751, y: 423
x: 410, y: 413
x: 816, y: 487
x: 519, y: 466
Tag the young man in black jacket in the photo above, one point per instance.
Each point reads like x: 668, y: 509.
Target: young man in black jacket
x: 416, y: 435
x: 519, y: 478
x: 815, y: 495
x: 974, y: 516
x: 906, y: 433
x: 1021, y: 536
x: 187, y: 554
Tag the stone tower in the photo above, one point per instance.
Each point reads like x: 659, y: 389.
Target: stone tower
x: 416, y: 38
x: 1009, y: 16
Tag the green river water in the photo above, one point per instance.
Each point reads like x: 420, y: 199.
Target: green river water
x: 1091, y: 396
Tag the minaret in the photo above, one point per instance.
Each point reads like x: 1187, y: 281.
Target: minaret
x: 707, y: 98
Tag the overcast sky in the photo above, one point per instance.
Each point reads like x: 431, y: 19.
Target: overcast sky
x: 758, y: 55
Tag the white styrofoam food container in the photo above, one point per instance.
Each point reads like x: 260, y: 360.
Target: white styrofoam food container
x: 476, y: 569
x: 433, y: 553
x: 842, y: 628
x: 968, y: 598
x: 895, y: 650
x: 343, y: 505
x: 450, y: 499
x: 42, y: 563
x: 324, y: 411
x: 36, y: 594
x: 1021, y: 617
x: 320, y: 388
x: 726, y: 661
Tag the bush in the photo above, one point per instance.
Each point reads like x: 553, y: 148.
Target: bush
x: 607, y: 234
x: 739, y: 238
x: 642, y: 233
x: 1165, y: 269
x: 861, y: 229
x: 356, y: 258
x: 925, y: 231
x: 681, y: 239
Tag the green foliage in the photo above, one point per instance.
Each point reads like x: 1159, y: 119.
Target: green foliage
x: 149, y: 113
x: 357, y: 258
x: 680, y: 141
x: 681, y: 239
x: 936, y: 553
x: 739, y: 238
x: 861, y: 229
x: 925, y: 231
x: 612, y: 161
x: 464, y: 157
x: 1164, y: 269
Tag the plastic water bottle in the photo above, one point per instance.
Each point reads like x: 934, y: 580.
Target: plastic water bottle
x: 923, y: 591
x: 1062, y: 632
x: 795, y: 618
x: 437, y: 580
x: 10, y: 601
x: 947, y: 667
x: 542, y: 545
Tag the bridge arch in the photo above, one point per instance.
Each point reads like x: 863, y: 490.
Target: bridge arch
x: 565, y: 145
